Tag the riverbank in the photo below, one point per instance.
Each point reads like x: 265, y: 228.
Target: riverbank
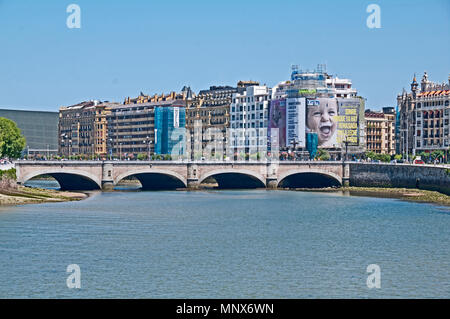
x: 26, y: 195
x: 415, y: 195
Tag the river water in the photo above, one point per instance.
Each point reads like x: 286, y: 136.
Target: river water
x: 225, y: 244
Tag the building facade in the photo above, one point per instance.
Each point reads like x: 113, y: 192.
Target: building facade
x: 380, y: 131
x: 170, y: 130
x: 77, y: 129
x: 209, y: 112
x: 40, y: 130
x: 424, y: 117
x: 95, y: 129
x: 249, y: 118
x: 317, y: 102
x: 132, y: 129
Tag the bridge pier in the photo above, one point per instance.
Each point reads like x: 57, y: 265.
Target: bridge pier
x: 192, y: 183
x: 107, y: 177
x: 192, y: 176
x: 107, y: 186
x: 346, y: 175
x: 271, y: 182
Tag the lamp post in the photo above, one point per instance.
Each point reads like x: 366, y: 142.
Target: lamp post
x: 148, y: 141
x: 294, y: 143
x: 120, y: 151
x: 63, y: 142
x: 346, y: 149
x: 407, y: 141
x: 110, y: 148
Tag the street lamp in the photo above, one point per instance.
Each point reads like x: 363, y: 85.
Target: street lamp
x: 148, y: 142
x: 407, y: 141
x: 110, y: 143
x: 346, y: 148
x: 294, y: 143
x: 120, y: 151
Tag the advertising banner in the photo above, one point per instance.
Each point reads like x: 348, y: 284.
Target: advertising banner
x: 295, y: 129
x: 348, y: 121
x: 334, y: 120
x: 277, y: 120
x: 322, y: 118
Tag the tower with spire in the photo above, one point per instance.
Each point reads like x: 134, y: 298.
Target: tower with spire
x: 414, y: 86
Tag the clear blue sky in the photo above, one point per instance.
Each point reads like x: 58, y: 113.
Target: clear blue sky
x: 124, y: 47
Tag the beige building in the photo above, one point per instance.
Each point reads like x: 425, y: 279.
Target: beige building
x: 210, y: 109
x: 424, y: 117
x: 432, y: 117
x: 76, y: 129
x: 380, y: 131
x: 131, y: 127
x: 100, y: 129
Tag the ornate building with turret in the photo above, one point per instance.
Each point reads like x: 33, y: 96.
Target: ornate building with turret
x: 424, y: 116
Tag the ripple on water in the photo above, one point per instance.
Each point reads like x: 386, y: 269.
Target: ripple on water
x: 225, y: 244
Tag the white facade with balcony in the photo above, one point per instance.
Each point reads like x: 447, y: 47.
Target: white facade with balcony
x: 249, y: 114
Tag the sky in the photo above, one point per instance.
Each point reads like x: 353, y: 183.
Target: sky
x: 125, y: 47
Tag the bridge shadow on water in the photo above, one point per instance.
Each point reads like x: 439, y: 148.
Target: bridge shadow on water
x: 309, y: 180
x: 234, y: 181
x: 63, y: 181
x: 158, y: 181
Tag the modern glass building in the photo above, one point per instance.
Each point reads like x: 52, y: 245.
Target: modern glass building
x: 170, y: 130
x: 39, y: 128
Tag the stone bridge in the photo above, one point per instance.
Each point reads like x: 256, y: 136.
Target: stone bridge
x: 89, y: 175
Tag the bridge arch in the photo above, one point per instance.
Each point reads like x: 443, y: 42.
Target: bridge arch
x: 235, y: 178
x: 152, y: 179
x: 69, y: 179
x: 309, y: 178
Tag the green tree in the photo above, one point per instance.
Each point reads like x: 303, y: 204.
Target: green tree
x: 142, y: 156
x: 370, y: 155
x: 323, y: 155
x: 436, y: 154
x: 12, y: 141
x: 384, y: 157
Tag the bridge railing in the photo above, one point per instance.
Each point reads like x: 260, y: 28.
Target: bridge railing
x: 171, y: 162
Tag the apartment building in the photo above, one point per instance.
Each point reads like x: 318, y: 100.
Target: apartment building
x: 249, y: 117
x: 424, y: 117
x: 380, y: 131
x: 77, y: 129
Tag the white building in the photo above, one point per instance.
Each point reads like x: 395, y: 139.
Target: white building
x: 342, y: 87
x: 432, y: 120
x: 249, y: 119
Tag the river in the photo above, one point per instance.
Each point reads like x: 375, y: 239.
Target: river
x: 225, y: 244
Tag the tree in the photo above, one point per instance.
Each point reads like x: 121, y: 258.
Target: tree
x: 370, y: 155
x: 12, y: 141
x: 142, y: 156
x: 323, y: 155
